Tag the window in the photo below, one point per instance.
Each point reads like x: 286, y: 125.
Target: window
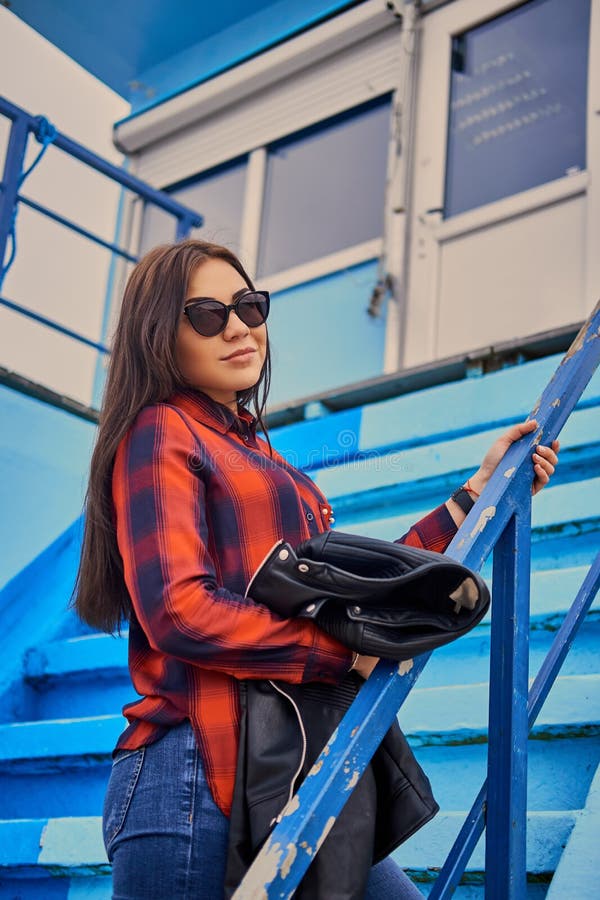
x: 217, y: 195
x: 517, y: 102
x: 324, y: 188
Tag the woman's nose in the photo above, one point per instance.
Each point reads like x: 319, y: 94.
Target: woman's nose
x: 235, y: 327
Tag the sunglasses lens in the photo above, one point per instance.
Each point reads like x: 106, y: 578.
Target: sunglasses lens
x: 207, y: 317
x: 253, y: 309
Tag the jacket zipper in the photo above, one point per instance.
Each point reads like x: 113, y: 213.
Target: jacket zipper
x: 279, y: 690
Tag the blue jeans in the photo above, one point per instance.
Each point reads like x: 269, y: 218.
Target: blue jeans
x: 165, y: 836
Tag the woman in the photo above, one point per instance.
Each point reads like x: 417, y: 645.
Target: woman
x: 184, y: 502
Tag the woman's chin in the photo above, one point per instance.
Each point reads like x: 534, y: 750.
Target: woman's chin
x: 246, y: 380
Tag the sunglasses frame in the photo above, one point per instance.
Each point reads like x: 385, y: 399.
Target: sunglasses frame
x: 196, y: 301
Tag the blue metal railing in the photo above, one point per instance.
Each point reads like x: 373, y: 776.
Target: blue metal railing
x: 24, y: 125
x: 500, y: 521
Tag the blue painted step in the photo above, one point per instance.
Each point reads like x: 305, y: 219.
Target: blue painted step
x: 566, y: 525
x: 469, y: 658
x: 423, y: 417
x: 60, y: 766
x: 560, y: 772
x: 48, y: 859
x: 76, y: 676
x: 457, y: 714
x: 577, y: 869
x: 564, y: 510
x: 57, y: 767
x: 388, y: 479
x: 547, y: 833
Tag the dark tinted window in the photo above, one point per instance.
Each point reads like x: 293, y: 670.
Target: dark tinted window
x: 325, y: 189
x: 517, y: 102
x: 217, y: 195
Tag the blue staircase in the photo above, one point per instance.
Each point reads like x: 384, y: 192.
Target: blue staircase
x: 388, y: 463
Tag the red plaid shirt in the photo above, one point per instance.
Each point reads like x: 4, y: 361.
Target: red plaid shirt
x: 198, y: 505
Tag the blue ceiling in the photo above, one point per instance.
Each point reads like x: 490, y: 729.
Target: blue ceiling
x: 148, y: 50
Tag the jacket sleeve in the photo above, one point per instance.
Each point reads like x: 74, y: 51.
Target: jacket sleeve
x: 162, y: 535
x: 432, y: 532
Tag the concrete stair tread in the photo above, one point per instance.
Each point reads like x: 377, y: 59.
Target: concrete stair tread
x: 74, y: 844
x: 501, y: 396
x: 459, y: 713
x: 59, y: 738
x: 573, y: 706
x: 432, y: 414
x: 580, y: 439
x: 426, y: 851
x: 469, y: 658
x: 563, y: 510
x: 64, y: 845
x: 101, y: 654
x: 577, y: 867
x: 559, y: 771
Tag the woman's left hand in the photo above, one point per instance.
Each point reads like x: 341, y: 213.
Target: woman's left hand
x: 544, y: 458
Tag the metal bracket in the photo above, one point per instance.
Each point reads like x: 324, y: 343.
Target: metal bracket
x: 399, y: 8
x: 396, y: 7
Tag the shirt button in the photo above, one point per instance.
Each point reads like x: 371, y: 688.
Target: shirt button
x: 246, y: 437
x: 309, y: 517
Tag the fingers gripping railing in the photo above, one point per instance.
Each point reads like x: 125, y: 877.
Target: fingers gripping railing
x: 499, y: 521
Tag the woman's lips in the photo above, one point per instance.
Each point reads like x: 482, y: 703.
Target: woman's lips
x: 239, y: 355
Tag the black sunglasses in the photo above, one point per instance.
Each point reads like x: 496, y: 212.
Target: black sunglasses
x: 209, y: 317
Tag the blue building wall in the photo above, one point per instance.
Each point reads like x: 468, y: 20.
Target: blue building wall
x: 44, y: 460
x: 328, y: 336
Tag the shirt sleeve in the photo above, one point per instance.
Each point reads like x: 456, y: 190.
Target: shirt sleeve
x: 433, y: 532
x: 162, y: 535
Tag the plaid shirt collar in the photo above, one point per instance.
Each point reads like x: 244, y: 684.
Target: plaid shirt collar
x: 204, y: 409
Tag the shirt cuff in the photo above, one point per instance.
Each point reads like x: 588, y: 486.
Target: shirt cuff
x: 328, y: 660
x: 433, y: 532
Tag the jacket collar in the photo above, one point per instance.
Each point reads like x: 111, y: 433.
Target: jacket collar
x: 204, y: 409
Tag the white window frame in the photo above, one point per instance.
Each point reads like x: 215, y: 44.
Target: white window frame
x: 442, y: 22
x: 318, y: 267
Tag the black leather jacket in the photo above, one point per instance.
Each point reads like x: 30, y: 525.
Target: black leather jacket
x: 379, y: 598
x: 284, y: 728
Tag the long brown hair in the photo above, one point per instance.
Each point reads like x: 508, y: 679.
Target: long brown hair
x: 142, y: 370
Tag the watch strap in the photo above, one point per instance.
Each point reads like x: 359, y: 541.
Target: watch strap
x: 463, y: 499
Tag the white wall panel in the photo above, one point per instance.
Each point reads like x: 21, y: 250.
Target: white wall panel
x: 517, y: 266
x: 57, y: 273
x: 512, y: 279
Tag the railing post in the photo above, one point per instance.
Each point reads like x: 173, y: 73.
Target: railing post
x: 505, y: 851
x: 13, y: 166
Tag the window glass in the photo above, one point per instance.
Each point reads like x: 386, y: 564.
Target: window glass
x: 217, y: 195
x: 324, y: 188
x: 517, y: 102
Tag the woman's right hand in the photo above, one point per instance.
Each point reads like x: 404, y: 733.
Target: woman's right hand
x: 365, y: 665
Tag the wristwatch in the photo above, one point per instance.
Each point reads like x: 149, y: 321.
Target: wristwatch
x: 463, y: 498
